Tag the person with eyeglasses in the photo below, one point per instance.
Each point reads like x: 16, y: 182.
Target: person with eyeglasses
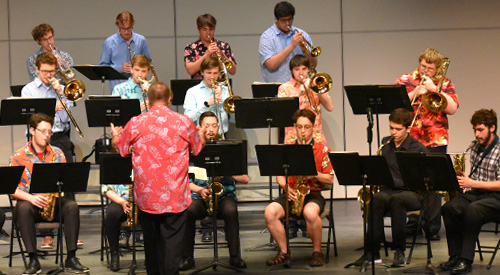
x: 313, y: 203
x: 278, y: 44
x: 115, y: 51
x: 28, y: 206
x: 43, y: 34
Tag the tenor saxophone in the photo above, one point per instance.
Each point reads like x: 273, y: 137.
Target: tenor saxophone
x: 302, y: 190
x: 47, y: 212
x: 218, y: 188
x: 131, y: 218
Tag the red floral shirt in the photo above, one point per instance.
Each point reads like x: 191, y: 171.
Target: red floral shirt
x: 160, y: 141
x: 323, y: 165
x: 197, y: 49
x: 293, y: 88
x: 26, y: 157
x: 431, y: 129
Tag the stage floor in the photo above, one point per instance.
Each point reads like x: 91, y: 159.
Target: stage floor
x: 348, y: 224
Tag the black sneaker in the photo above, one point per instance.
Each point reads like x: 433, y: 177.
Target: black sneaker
x: 114, y: 265
x: 33, y: 268
x: 207, y: 236
x: 399, y: 258
x: 75, y: 264
x: 187, y: 263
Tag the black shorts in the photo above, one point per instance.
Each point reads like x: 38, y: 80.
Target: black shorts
x: 314, y: 197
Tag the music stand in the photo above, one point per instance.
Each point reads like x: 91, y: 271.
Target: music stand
x: 58, y: 178
x: 266, y: 113
x: 352, y: 169
x: 265, y: 89
x: 99, y: 72
x: 286, y: 160
x: 115, y: 169
x: 427, y: 173
x: 17, y: 111
x: 15, y: 90
x: 223, y: 158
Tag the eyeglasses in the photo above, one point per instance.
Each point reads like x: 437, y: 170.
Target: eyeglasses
x: 285, y: 20
x: 45, y: 131
x: 126, y: 29
x: 307, y: 127
x: 47, y: 39
x: 48, y: 72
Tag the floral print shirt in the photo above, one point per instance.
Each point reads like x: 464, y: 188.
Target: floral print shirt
x: 197, y: 49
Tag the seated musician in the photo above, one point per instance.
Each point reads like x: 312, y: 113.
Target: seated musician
x: 200, y: 98
x: 314, y: 202
x: 465, y: 214
x: 227, y: 209
x: 29, y: 206
x: 116, y: 213
x: 136, y: 86
x: 299, y: 66
x: 397, y: 200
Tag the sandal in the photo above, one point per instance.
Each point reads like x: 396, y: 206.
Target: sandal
x: 278, y: 259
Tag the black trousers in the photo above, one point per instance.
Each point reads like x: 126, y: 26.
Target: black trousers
x: 114, y: 217
x: 228, y: 211
x: 2, y: 219
x: 395, y: 203
x: 163, y: 235
x: 26, y: 215
x: 463, y: 217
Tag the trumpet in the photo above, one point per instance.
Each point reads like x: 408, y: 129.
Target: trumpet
x: 222, y: 58
x: 308, y: 48
x: 319, y: 83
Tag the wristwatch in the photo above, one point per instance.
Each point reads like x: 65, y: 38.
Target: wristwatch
x: 206, y: 104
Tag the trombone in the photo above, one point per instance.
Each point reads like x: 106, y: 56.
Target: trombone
x: 74, y: 89
x: 433, y: 101
x: 313, y: 51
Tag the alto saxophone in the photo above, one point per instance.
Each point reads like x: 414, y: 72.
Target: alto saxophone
x: 47, y: 212
x: 302, y: 190
x: 218, y: 189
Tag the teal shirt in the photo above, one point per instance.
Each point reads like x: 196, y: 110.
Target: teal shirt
x: 129, y: 90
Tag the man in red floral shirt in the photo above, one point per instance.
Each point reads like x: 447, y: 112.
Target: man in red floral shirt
x: 160, y: 142
x: 196, y: 52
x: 430, y: 128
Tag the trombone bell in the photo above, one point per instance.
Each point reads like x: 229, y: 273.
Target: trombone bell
x: 228, y: 104
x: 321, y: 83
x: 74, y: 90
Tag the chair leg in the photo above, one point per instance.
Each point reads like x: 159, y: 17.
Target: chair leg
x: 494, y: 254
x: 335, y: 250
x: 480, y: 250
x: 327, y: 258
x: 413, y: 243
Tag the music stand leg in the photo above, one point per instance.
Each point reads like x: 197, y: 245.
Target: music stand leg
x: 60, y: 269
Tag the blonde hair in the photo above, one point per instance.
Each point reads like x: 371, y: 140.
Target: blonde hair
x: 431, y: 56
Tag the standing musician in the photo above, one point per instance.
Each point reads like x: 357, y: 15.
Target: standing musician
x: 29, y: 206
x: 160, y: 141
x: 465, y: 214
x: 43, y: 34
x: 396, y: 200
x: 278, y: 44
x: 295, y: 87
x: 313, y: 202
x: 430, y: 128
x: 135, y: 87
x: 200, y: 98
x: 206, y: 46
x: 116, y: 213
x: 227, y: 209
x: 119, y: 48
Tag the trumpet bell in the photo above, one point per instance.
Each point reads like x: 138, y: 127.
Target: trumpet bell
x: 434, y: 102
x: 316, y: 51
x: 228, y: 104
x: 321, y: 83
x: 74, y: 90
